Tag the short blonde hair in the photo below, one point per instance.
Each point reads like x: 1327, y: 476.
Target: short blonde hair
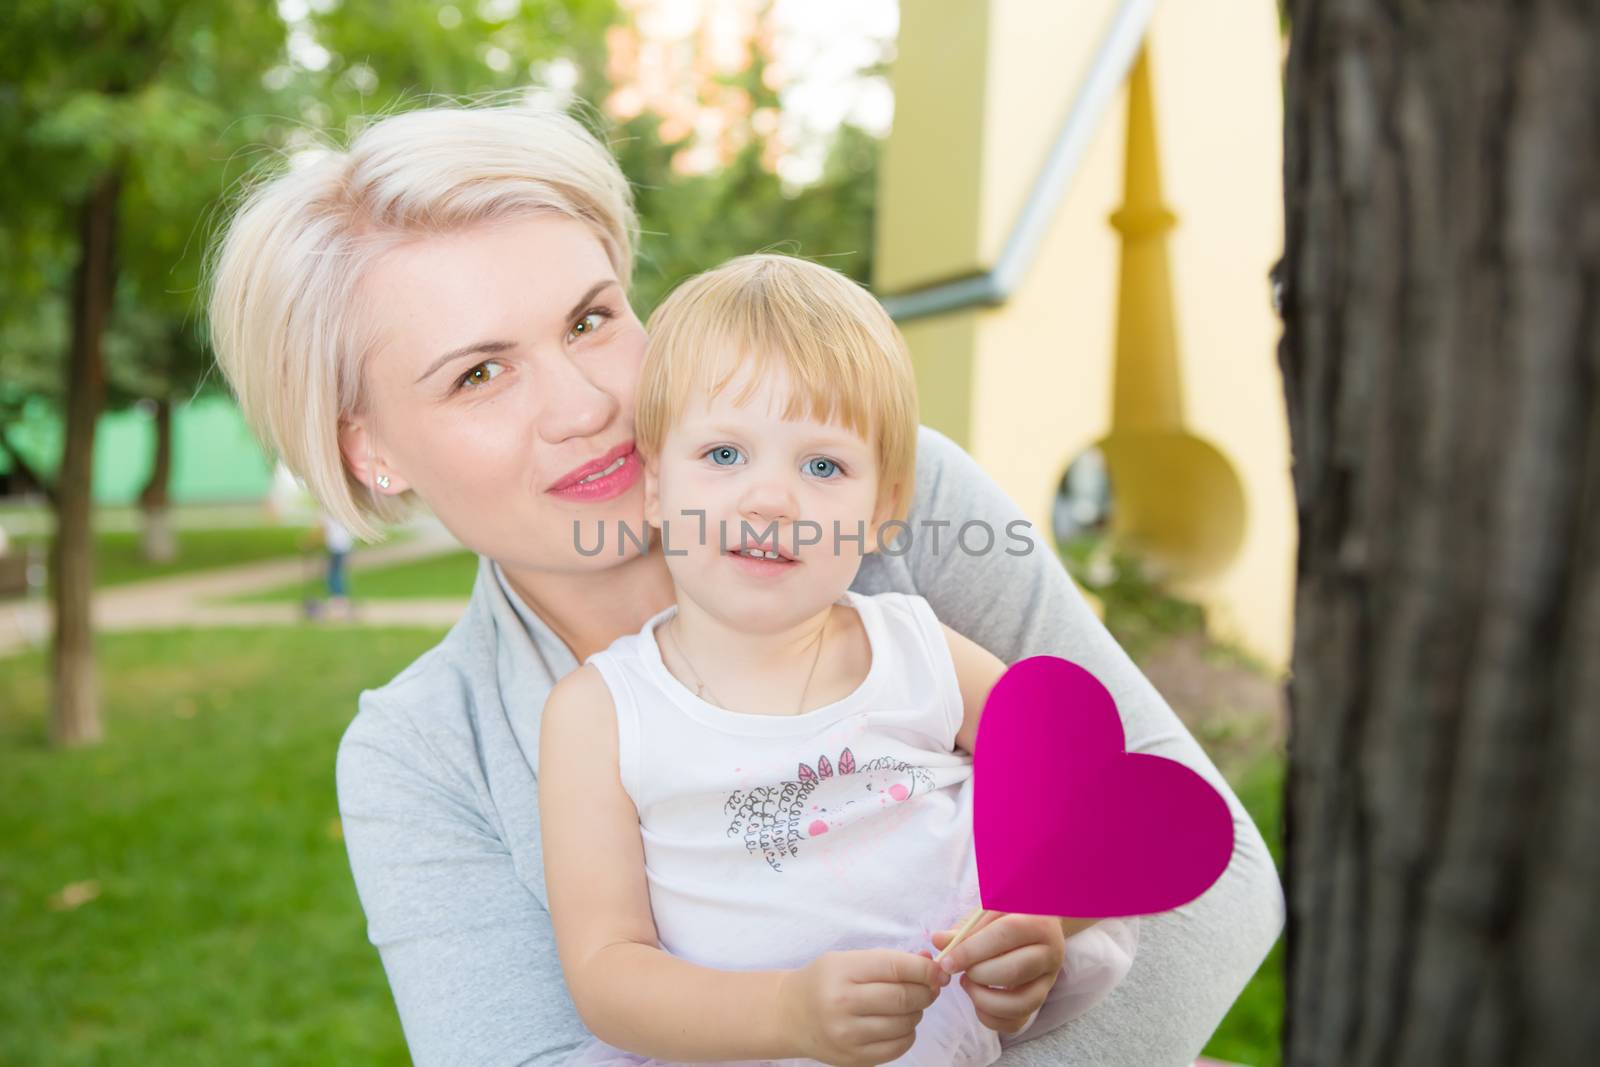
x: 284, y: 320
x: 841, y: 351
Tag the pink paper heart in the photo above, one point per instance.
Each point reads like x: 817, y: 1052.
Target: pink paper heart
x: 1066, y: 822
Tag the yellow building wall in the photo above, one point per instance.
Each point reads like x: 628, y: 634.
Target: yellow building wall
x: 931, y: 167
x: 1038, y: 375
x: 1038, y: 51
x: 943, y: 350
x: 1218, y: 105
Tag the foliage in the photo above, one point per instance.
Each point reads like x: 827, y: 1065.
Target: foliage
x: 692, y: 224
x: 376, y: 58
x: 168, y: 94
x: 1137, y: 611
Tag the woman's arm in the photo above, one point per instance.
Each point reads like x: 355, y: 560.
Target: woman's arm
x: 1193, y: 961
x: 469, y: 951
x: 628, y: 991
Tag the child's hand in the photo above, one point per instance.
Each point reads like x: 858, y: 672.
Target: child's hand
x: 1021, y: 953
x: 859, y: 1008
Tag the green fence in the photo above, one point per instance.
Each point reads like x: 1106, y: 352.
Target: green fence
x: 214, y: 456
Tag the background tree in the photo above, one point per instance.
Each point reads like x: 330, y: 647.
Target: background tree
x: 158, y: 360
x: 122, y: 112
x: 1442, y: 360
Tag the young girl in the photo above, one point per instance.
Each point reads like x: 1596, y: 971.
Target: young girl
x: 757, y: 809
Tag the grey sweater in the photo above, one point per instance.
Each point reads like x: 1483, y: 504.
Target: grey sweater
x: 440, y: 807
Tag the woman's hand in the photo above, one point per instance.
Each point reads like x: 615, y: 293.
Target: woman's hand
x: 855, y: 1009
x: 1011, y: 962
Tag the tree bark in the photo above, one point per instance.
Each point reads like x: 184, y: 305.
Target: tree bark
x: 77, y: 700
x: 157, y: 543
x: 1441, y: 357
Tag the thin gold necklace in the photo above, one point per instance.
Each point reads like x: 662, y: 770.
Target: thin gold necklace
x: 700, y: 688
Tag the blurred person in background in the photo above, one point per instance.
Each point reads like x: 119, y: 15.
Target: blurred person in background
x: 337, y: 542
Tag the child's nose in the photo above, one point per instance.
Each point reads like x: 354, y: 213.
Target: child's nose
x: 768, y: 499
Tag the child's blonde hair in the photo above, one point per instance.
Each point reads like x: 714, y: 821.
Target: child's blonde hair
x: 844, y: 356
x: 285, y: 317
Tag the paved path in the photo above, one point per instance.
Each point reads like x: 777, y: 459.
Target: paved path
x: 192, y: 599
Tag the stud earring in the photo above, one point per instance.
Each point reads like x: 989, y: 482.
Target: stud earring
x: 383, y: 481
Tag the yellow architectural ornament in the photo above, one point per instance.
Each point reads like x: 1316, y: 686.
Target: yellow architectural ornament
x: 1078, y: 210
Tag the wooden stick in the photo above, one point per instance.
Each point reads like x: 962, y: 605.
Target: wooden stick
x: 965, y: 928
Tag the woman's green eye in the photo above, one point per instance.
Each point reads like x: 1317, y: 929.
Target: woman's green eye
x: 481, y: 375
x: 589, y: 323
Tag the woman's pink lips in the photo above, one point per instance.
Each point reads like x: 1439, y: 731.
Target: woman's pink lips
x: 583, y: 471
x: 614, y: 484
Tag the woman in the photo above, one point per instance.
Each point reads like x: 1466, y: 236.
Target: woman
x: 440, y: 315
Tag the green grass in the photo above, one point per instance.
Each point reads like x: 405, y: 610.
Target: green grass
x: 226, y: 928
x: 1252, y: 1033
x: 448, y: 575
x: 117, y: 559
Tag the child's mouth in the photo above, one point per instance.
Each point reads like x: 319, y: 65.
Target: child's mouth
x: 755, y: 561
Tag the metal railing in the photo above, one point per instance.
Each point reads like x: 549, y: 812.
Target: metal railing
x: 1109, y: 69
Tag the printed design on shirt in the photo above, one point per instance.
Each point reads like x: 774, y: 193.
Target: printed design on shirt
x: 774, y: 819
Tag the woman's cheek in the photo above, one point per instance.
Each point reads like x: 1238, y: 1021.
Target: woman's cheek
x: 624, y: 358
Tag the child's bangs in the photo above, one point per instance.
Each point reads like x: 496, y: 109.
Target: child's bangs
x: 825, y: 369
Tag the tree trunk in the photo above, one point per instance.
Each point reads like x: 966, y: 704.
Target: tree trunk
x: 1441, y: 356
x: 77, y: 699
x: 157, y: 543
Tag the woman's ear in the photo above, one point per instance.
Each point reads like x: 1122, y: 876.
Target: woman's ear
x: 356, y: 448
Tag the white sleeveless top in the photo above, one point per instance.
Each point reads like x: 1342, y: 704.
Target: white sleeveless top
x: 769, y: 840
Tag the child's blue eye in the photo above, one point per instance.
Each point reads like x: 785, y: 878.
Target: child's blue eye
x: 723, y: 455
x: 821, y: 466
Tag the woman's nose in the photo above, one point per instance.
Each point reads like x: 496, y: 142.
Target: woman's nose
x: 571, y: 405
